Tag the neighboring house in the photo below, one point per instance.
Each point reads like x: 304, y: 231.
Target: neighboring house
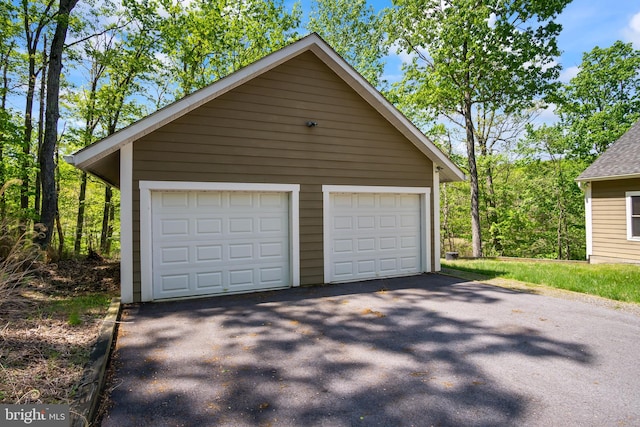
x: 291, y: 171
x: 612, y: 201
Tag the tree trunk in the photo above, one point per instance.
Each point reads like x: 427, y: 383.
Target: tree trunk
x: 47, y: 162
x: 476, y: 236
x: 80, y: 217
x: 105, y: 234
x: 4, y: 60
x: 43, y: 87
x: 60, y: 236
x: 446, y: 218
x: 26, y: 140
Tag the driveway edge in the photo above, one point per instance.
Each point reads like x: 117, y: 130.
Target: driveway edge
x: 85, y: 404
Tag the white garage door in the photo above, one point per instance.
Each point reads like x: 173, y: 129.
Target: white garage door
x: 213, y: 242
x: 373, y: 235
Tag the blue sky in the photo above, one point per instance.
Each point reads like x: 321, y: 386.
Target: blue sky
x: 586, y: 24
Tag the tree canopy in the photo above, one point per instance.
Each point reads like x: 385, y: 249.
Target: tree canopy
x: 477, y: 73
x: 471, y: 54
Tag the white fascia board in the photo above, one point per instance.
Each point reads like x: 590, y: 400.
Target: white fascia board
x: 609, y: 178
x: 183, y: 106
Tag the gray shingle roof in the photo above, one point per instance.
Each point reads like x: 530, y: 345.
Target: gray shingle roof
x: 621, y: 159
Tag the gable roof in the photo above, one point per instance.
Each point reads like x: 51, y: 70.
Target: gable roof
x: 621, y: 160
x: 89, y: 158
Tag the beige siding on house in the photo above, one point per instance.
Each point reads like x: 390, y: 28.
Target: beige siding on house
x: 609, y: 220
x: 256, y: 133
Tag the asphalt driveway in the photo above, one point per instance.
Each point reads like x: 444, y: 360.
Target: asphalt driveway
x: 425, y: 350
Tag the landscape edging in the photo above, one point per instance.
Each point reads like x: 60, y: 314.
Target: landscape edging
x: 85, y: 403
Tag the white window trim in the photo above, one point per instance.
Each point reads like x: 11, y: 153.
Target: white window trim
x: 628, y: 196
x: 146, y: 241
x: 425, y: 219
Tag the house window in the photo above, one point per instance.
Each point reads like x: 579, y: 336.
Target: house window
x: 633, y: 215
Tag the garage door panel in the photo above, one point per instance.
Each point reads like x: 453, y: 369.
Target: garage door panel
x: 373, y: 235
x: 409, y: 221
x: 209, y: 199
x: 240, y: 225
x: 208, y: 253
x: 366, y: 244
x: 409, y: 263
x: 219, y: 242
x: 388, y: 265
x: 240, y: 199
x: 208, y: 226
x: 271, y: 275
x: 210, y: 281
x: 366, y: 267
x: 175, y: 255
x: 175, y: 282
x: 272, y: 250
x: 272, y: 225
x: 174, y: 228
x: 174, y: 200
x: 242, y: 251
x: 409, y: 242
x: 242, y: 276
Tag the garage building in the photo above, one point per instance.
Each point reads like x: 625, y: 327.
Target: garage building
x: 291, y: 171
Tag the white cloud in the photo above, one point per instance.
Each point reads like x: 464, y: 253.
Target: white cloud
x: 632, y: 30
x: 491, y: 21
x: 568, y: 73
x: 405, y: 56
x: 547, y: 115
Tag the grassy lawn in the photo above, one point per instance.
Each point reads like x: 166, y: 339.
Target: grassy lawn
x: 617, y: 282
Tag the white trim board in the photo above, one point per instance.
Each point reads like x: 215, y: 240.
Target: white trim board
x: 588, y: 218
x: 126, y: 224
x: 628, y: 195
x: 436, y: 218
x: 146, y: 240
x: 425, y: 218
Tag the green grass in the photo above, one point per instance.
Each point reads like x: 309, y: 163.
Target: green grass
x: 617, y: 282
x: 76, y: 309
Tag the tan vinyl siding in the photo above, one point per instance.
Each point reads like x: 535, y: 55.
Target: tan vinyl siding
x: 256, y: 133
x: 609, y: 220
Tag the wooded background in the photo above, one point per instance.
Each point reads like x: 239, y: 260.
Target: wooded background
x: 73, y: 72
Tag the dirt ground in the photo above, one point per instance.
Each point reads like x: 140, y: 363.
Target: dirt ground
x: 48, y: 326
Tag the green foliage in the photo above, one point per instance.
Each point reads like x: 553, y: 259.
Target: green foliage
x: 483, y: 52
x: 472, y: 57
x: 603, y: 100
x: 355, y: 31
x: 477, y: 68
x: 617, y: 282
x: 202, y: 42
